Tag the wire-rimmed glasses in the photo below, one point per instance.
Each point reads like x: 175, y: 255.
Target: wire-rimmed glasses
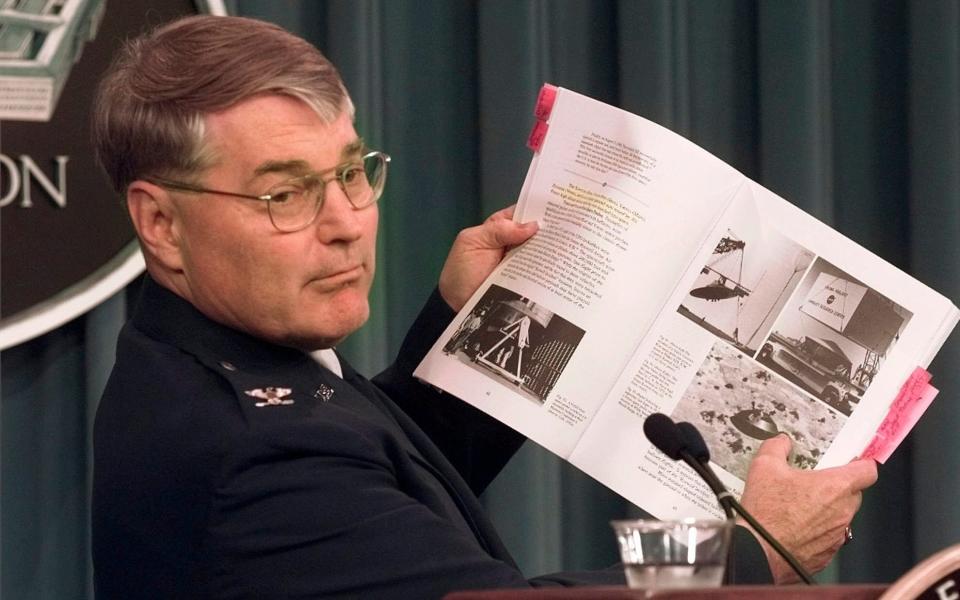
x: 295, y: 203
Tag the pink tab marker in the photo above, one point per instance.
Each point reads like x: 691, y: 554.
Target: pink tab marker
x: 914, y: 398
x: 548, y: 94
x: 537, y: 135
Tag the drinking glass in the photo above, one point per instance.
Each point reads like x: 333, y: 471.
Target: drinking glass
x: 685, y: 553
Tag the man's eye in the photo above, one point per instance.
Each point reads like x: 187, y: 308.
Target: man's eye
x: 286, y: 195
x: 353, y: 175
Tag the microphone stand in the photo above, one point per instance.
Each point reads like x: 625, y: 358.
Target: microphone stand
x: 707, y: 474
x: 731, y: 505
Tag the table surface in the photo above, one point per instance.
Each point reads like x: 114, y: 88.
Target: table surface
x: 791, y: 592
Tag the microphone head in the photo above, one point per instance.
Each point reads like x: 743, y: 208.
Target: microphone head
x: 662, y: 433
x: 693, y: 442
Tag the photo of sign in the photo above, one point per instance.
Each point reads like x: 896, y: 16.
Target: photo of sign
x: 855, y: 311
x: 833, y: 300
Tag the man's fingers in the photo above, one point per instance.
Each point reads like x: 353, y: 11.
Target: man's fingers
x: 503, y: 213
x: 776, y: 447
x: 503, y: 233
x: 476, y: 253
x: 518, y: 233
x: 863, y: 473
x: 859, y: 474
x: 500, y: 231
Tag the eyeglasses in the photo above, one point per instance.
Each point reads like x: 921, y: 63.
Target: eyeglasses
x: 295, y: 203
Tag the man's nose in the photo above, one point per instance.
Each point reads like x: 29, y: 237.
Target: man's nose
x: 338, y: 219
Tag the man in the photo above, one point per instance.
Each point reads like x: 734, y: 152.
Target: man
x: 236, y: 455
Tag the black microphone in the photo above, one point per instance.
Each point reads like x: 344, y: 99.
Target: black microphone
x: 693, y: 441
x: 682, y: 441
x: 677, y: 443
x: 662, y: 433
x: 695, y: 453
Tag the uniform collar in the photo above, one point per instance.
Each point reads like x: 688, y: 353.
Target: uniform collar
x: 162, y: 314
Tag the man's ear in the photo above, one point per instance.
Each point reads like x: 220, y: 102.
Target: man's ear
x: 157, y: 221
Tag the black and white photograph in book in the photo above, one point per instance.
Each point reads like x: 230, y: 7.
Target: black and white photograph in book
x: 737, y: 404
x: 515, y: 341
x: 833, y: 336
x: 739, y: 291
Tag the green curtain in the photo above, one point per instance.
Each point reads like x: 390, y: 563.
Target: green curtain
x: 850, y: 109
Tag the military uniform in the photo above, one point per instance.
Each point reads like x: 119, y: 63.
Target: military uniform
x: 227, y: 467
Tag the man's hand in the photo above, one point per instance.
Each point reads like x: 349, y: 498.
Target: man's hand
x: 806, y: 511
x: 477, y: 251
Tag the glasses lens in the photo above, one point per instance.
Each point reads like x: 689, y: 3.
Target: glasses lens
x: 293, y: 204
x: 363, y: 182
x: 375, y: 167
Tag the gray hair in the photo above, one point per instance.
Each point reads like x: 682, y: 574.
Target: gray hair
x: 148, y: 118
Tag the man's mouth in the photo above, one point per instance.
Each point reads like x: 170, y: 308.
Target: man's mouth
x: 341, y: 278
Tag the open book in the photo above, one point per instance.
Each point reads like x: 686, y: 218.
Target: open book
x: 663, y: 280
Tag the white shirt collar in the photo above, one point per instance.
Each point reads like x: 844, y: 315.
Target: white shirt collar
x: 328, y: 358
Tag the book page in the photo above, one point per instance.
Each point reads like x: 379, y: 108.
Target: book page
x: 662, y: 280
x: 543, y: 340
x: 783, y: 325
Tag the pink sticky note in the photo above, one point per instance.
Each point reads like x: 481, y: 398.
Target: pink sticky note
x: 914, y: 398
x: 539, y: 133
x: 548, y: 93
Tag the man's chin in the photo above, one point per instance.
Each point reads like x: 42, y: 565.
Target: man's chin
x: 328, y: 334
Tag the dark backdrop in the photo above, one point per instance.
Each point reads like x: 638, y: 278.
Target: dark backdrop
x: 850, y: 109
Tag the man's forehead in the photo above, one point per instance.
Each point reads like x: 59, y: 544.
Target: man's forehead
x: 348, y: 152
x: 273, y: 132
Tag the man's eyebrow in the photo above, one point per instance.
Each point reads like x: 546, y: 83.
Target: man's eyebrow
x: 302, y: 167
x: 296, y: 166
x: 352, y: 149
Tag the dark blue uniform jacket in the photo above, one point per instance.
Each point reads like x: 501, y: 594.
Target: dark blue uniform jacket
x: 226, y: 467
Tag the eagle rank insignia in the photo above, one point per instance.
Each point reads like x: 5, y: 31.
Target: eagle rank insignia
x: 272, y: 396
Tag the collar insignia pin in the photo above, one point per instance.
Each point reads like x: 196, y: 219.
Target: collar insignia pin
x: 324, y: 392
x: 272, y: 396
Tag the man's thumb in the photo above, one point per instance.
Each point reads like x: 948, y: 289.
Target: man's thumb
x: 776, y: 447
x: 503, y: 233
